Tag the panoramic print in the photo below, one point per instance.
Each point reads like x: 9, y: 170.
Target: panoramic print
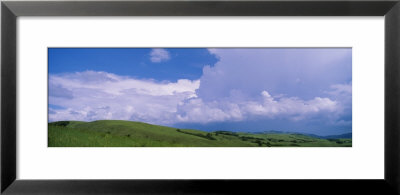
x: 199, y: 97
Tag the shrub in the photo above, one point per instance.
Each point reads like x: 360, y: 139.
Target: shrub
x: 60, y: 123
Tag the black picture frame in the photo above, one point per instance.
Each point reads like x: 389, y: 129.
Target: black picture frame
x: 11, y: 10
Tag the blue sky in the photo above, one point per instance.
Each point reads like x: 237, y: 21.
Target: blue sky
x: 239, y: 89
x: 135, y: 62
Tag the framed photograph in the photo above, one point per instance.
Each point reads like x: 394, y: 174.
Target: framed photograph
x: 199, y: 97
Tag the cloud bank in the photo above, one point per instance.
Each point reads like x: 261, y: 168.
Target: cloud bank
x: 101, y: 95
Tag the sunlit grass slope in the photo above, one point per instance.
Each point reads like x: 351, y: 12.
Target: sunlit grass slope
x: 116, y: 133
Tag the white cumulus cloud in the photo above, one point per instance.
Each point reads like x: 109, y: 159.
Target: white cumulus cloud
x: 94, y: 95
x: 101, y: 95
x: 264, y: 105
x: 159, y: 55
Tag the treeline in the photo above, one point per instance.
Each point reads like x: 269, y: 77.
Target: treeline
x: 207, y: 136
x: 60, y: 123
x: 256, y: 140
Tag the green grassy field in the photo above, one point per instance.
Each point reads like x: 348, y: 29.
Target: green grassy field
x: 114, y: 133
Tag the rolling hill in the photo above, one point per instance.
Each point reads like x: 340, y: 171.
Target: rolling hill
x: 118, y: 133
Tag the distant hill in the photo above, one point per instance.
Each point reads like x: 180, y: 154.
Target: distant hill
x: 346, y: 135
x: 118, y: 133
x: 340, y: 136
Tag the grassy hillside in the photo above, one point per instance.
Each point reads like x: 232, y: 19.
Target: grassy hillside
x: 114, y: 133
